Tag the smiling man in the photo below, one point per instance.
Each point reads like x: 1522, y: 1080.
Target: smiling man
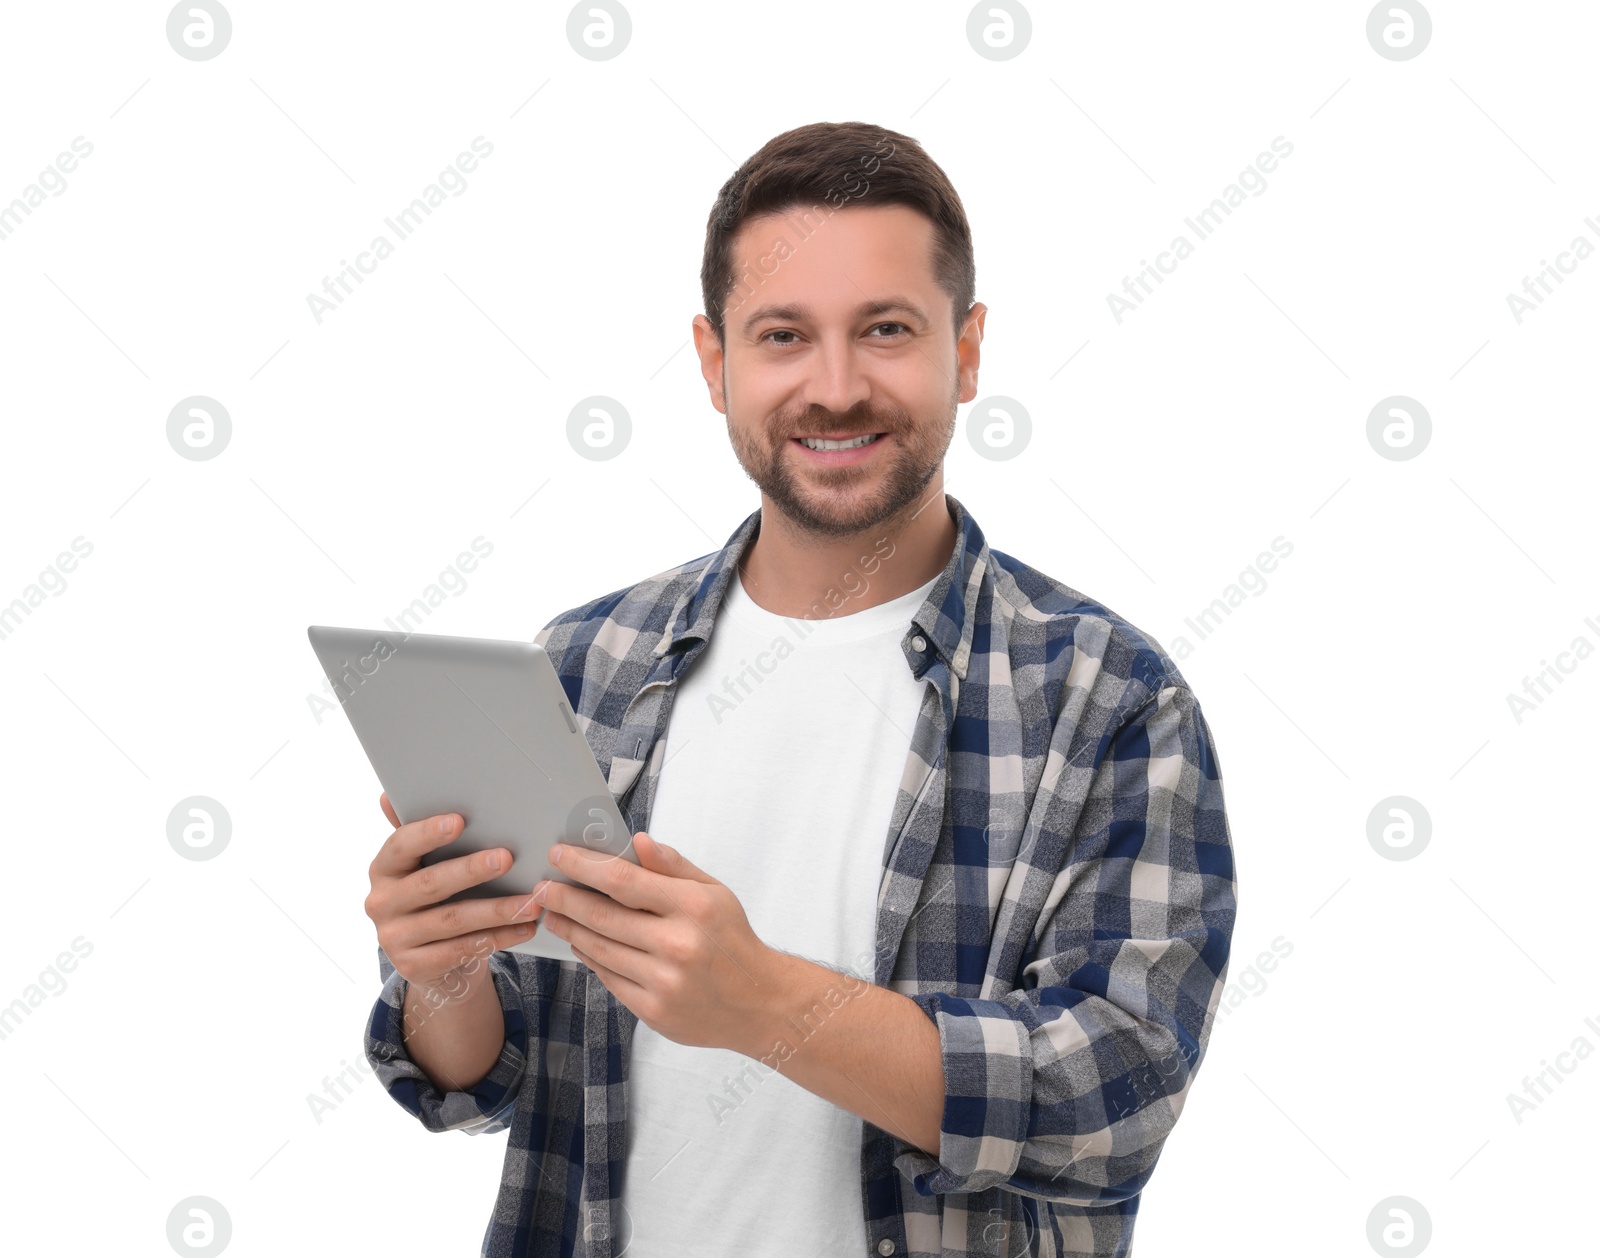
x: 935, y: 887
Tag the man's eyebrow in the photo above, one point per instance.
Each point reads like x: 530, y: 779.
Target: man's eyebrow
x: 796, y: 313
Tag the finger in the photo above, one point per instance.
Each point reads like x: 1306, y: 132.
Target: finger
x: 388, y: 810
x: 444, y: 955
x: 633, y: 927
x: 618, y: 959
x: 461, y: 918
x: 403, y: 850
x: 625, y: 990
x: 435, y: 883
x: 622, y: 880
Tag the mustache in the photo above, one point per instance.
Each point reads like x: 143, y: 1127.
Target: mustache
x: 849, y: 430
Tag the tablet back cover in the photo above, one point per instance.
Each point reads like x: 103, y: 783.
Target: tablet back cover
x: 479, y: 727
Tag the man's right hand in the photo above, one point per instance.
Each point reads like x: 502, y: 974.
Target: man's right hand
x: 430, y: 943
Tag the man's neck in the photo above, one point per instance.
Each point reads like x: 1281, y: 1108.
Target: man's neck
x: 791, y: 573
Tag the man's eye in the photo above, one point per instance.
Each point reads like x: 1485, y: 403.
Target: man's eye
x: 897, y: 326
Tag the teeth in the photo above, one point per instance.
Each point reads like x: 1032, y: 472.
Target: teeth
x: 816, y: 443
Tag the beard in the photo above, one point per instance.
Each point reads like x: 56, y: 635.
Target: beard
x: 840, y: 502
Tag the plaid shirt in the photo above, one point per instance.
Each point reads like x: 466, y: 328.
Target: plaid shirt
x: 1057, y: 897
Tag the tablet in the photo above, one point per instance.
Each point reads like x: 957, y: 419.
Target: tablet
x: 479, y: 727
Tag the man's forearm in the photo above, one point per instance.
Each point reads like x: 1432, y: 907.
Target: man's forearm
x: 873, y: 1052
x: 456, y: 1041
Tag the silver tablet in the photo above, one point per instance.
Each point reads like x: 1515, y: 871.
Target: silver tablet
x: 482, y: 728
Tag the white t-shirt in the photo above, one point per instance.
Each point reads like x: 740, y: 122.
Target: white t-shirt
x: 785, y: 748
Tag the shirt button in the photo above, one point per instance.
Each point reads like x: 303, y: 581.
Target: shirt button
x: 918, y: 644
x: 886, y: 1246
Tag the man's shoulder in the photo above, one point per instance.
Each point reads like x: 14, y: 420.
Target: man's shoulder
x: 1059, y: 635
x: 621, y: 623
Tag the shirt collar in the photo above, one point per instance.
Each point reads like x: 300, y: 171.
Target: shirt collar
x: 947, y: 616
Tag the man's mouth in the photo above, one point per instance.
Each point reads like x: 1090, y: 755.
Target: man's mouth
x: 838, y: 443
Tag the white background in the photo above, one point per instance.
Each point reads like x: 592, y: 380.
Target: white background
x: 369, y: 449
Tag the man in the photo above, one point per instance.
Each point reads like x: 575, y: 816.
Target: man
x: 935, y: 886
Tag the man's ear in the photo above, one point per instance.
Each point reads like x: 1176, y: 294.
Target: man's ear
x: 967, y: 352
x: 713, y: 363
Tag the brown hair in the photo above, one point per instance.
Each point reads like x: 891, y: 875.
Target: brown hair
x: 826, y: 166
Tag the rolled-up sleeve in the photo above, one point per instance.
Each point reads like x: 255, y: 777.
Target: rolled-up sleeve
x: 484, y: 1107
x: 1065, y: 1088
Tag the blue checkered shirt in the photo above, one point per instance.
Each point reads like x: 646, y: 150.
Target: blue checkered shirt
x: 1057, y: 896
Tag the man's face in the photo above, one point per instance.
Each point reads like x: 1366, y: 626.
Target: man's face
x: 805, y: 353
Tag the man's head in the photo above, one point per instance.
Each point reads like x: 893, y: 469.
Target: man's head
x: 838, y: 285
